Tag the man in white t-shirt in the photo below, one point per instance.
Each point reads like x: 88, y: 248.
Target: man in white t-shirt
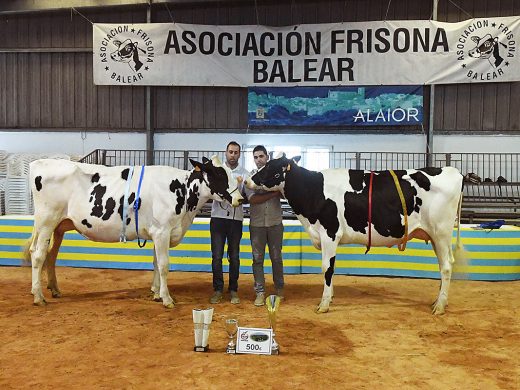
x: 226, y: 225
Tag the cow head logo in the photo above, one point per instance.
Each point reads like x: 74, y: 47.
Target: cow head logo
x: 124, y: 55
x: 485, y: 50
x: 128, y: 52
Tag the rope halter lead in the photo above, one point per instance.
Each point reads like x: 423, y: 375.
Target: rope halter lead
x: 137, y: 203
x: 402, y: 245
x: 122, y: 237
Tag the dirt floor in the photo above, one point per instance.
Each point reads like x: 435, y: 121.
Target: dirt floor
x: 105, y: 333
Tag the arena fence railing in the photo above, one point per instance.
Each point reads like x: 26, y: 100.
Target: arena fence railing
x: 484, y: 165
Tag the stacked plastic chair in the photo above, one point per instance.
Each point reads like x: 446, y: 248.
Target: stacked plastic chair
x: 3, y: 176
x: 17, y: 190
x: 18, y: 196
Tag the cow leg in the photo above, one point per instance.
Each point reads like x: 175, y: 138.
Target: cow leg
x: 59, y: 232
x: 39, y: 247
x: 328, y: 254
x: 52, y: 282
x: 444, y: 254
x: 163, y: 264
x: 156, y: 282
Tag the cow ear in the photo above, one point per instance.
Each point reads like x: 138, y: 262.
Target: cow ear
x: 205, y: 160
x: 117, y: 43
x: 216, y: 161
x: 296, y: 159
x: 197, y: 165
x: 475, y: 39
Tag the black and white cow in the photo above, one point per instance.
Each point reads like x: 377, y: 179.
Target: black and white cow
x: 333, y: 207
x: 90, y: 199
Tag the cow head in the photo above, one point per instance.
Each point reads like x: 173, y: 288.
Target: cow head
x: 128, y: 53
x: 271, y: 177
x: 219, y: 179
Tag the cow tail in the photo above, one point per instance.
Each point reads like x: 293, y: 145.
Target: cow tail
x: 460, y: 256
x: 26, y: 251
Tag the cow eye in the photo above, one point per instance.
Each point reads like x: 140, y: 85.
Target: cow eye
x: 276, y: 176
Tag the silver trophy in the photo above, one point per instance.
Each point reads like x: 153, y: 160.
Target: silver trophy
x: 272, y: 303
x: 201, y: 322
x: 231, y: 329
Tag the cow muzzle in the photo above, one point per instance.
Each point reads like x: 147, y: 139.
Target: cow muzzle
x: 250, y: 184
x: 236, y: 199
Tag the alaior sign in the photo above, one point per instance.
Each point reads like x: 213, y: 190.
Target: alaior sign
x: 411, y: 52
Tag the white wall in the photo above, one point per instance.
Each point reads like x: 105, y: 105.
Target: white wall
x: 71, y: 143
x: 76, y: 143
x: 339, y: 143
x: 476, y: 144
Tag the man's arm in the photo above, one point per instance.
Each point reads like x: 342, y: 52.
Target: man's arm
x: 261, y: 198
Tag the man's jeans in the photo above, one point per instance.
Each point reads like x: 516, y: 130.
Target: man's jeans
x: 273, y: 237
x: 222, y: 229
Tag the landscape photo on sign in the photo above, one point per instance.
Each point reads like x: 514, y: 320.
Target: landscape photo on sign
x: 335, y: 106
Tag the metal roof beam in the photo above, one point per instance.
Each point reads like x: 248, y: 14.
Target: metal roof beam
x: 30, y: 6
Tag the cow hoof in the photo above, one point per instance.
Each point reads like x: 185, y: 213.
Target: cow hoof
x: 56, y: 293
x: 41, y: 303
x: 170, y: 305
x: 438, y: 308
x: 157, y: 297
x: 320, y: 309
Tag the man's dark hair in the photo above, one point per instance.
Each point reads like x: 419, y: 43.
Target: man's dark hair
x: 260, y: 148
x: 234, y: 144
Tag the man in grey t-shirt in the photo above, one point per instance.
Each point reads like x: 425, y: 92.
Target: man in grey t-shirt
x: 265, y: 227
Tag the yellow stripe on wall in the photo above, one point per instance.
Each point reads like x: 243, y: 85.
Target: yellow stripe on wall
x: 491, y: 253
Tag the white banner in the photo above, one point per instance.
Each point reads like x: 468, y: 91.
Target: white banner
x: 410, y: 52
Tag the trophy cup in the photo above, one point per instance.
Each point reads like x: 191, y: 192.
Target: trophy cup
x: 272, y: 303
x: 198, y: 324
x: 231, y: 329
x: 201, y: 322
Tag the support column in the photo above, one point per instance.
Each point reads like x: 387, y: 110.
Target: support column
x: 429, y: 139
x: 149, y: 107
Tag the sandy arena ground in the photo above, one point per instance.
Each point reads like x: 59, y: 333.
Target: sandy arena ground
x: 105, y: 333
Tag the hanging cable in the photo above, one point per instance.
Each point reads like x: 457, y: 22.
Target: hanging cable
x: 433, y: 8
x: 387, y: 8
x: 80, y: 14
x: 460, y: 8
x: 168, y: 9
x: 256, y: 12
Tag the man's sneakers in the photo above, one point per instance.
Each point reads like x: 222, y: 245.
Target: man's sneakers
x: 260, y: 299
x: 235, y: 300
x: 216, y: 297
